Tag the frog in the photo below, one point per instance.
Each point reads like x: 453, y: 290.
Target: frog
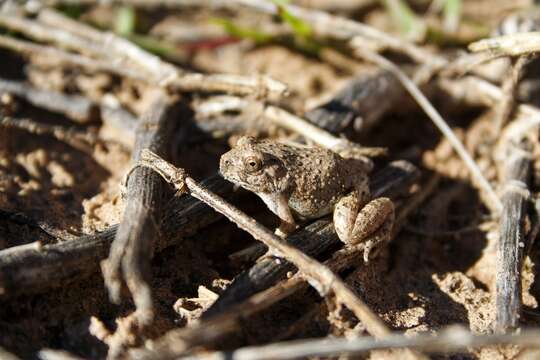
x: 299, y: 183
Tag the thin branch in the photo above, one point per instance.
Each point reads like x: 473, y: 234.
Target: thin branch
x: 323, y: 23
x: 506, y: 108
x: 319, y: 276
x: 165, y: 74
x: 103, y: 45
x: 80, y: 140
x: 394, y: 181
x: 492, y: 200
x: 449, y: 340
x: 475, y: 91
x: 51, y: 53
x: 319, y: 136
x: 75, y: 107
x: 518, y: 44
x: 108, y: 45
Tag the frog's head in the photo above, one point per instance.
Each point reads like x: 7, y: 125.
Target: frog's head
x: 251, y: 165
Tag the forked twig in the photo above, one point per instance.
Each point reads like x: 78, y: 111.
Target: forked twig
x: 129, y: 258
x: 318, y: 275
x: 315, y: 239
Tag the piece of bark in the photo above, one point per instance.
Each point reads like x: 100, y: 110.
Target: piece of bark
x: 513, y: 236
x: 28, y: 271
x: 362, y: 102
x: 133, y: 246
x: 314, y: 239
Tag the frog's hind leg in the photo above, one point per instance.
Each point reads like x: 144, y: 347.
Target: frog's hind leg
x: 371, y: 224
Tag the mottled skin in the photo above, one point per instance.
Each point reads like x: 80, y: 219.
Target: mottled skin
x: 300, y: 182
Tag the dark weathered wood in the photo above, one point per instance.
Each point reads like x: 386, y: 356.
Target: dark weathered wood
x: 314, y: 239
x: 513, y: 239
x: 27, y: 270
x: 362, y: 102
x: 131, y: 250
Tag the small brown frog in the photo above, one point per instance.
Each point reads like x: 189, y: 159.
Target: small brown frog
x: 301, y: 182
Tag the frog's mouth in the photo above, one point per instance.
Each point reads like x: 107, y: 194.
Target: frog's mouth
x: 232, y: 180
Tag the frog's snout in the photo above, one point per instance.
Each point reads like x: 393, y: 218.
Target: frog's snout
x: 224, y: 165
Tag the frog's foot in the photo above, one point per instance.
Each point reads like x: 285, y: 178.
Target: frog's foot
x: 370, y: 225
x: 380, y: 236
x: 285, y: 228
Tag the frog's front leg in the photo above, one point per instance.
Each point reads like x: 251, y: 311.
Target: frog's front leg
x: 354, y: 223
x: 279, y: 205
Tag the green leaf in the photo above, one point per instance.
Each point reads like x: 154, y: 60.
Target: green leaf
x: 299, y: 27
x: 242, y: 32
x: 152, y: 45
x: 126, y: 19
x: 407, y: 21
x: 452, y: 14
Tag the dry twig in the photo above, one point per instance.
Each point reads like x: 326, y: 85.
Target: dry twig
x: 55, y: 27
x: 77, y: 108
x: 31, y: 269
x: 492, y: 200
x: 509, y: 45
x: 512, y: 240
x: 506, y: 108
x: 315, y: 239
x: 514, y: 157
x: 131, y: 250
x: 319, y: 136
x: 474, y: 91
x: 319, y: 276
x: 82, y: 141
x: 449, y: 340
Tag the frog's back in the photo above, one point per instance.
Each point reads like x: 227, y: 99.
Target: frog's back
x: 320, y: 179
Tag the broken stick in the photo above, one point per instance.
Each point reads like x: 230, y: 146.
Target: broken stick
x: 129, y: 259
x: 319, y: 276
x: 512, y: 240
x: 32, y: 270
x: 316, y: 238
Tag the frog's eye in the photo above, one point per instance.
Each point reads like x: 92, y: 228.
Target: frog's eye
x: 252, y: 163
